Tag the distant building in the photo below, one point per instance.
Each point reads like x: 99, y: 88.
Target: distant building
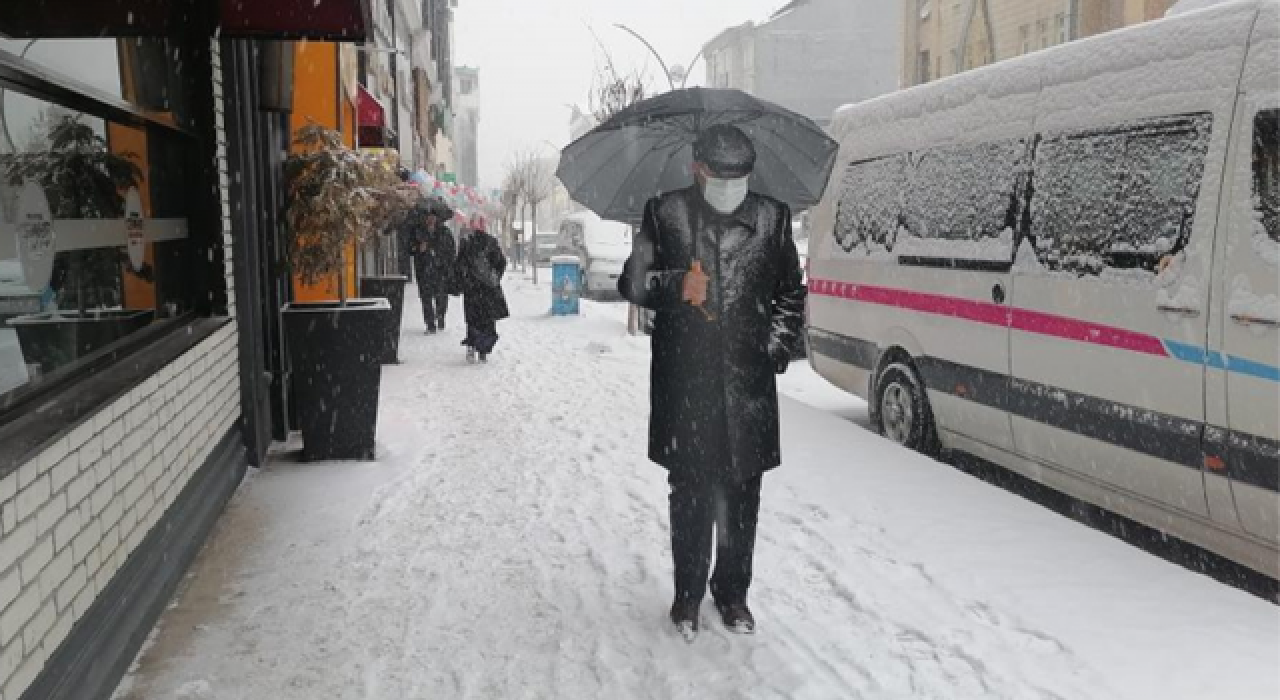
x: 579, y: 123
x: 466, y: 81
x: 812, y: 56
x: 945, y: 37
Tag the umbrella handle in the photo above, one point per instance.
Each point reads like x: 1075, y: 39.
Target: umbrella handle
x: 697, y: 267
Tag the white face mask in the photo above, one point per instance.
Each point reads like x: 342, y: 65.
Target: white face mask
x: 725, y: 196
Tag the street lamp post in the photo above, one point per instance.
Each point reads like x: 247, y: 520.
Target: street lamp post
x: 688, y: 70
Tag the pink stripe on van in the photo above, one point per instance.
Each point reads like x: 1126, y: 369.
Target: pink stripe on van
x: 992, y: 314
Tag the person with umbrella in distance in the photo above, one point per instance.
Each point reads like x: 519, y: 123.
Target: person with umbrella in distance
x: 717, y: 262
x: 481, y: 265
x: 432, y: 246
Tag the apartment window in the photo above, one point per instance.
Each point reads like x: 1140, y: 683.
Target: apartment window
x: 922, y: 67
x: 1024, y: 35
x: 1042, y: 31
x: 1061, y: 23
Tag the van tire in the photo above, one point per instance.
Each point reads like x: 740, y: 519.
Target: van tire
x: 901, y: 412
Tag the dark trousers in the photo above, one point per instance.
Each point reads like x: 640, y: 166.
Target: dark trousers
x: 730, y: 510
x: 482, y: 336
x: 435, y: 304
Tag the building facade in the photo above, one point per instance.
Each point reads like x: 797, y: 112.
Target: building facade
x: 129, y: 417
x: 944, y: 37
x: 466, y: 108
x: 812, y: 56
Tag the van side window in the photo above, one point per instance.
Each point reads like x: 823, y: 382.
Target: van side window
x: 965, y: 193
x: 870, y: 204
x: 1121, y: 197
x: 1266, y: 172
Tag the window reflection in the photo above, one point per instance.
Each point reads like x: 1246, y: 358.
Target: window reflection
x: 92, y: 235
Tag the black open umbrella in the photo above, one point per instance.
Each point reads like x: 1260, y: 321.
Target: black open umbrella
x: 647, y: 149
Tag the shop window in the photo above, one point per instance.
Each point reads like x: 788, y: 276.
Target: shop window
x: 1120, y: 197
x: 146, y: 72
x: 93, y: 236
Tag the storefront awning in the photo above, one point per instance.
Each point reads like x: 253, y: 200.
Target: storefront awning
x: 374, y: 126
x: 332, y: 20
x: 369, y: 111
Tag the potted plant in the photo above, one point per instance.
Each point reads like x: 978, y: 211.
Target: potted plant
x: 335, y: 196
x: 387, y: 284
x: 82, y: 180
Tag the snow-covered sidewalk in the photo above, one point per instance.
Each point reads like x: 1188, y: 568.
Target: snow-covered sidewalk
x: 511, y: 542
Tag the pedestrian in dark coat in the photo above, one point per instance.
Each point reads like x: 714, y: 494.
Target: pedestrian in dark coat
x: 480, y: 267
x: 720, y: 334
x: 434, y: 251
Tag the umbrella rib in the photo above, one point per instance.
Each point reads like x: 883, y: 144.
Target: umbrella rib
x: 787, y: 141
x: 605, y: 162
x: 783, y: 161
x: 623, y: 187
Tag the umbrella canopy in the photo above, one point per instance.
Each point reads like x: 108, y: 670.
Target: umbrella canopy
x: 435, y: 205
x: 647, y: 149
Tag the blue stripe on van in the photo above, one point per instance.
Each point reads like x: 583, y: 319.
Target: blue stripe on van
x: 1253, y: 369
x: 1212, y: 358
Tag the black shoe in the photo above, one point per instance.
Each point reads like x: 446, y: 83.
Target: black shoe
x: 685, y: 617
x: 737, y: 618
x: 431, y: 330
x: 484, y: 358
x: 442, y: 325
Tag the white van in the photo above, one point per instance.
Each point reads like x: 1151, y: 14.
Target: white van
x: 1066, y: 264
x: 602, y: 246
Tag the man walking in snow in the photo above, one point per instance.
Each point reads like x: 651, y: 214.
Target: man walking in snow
x: 719, y: 266
x: 434, y: 250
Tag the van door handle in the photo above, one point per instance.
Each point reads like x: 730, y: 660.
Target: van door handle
x: 1179, y: 310
x: 1248, y: 320
x: 997, y: 293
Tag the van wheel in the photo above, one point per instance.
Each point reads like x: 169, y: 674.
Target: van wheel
x: 902, y: 411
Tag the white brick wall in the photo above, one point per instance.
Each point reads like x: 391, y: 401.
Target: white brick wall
x: 71, y: 517
x: 72, y: 529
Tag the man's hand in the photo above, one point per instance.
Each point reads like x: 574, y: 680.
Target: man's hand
x: 695, y: 285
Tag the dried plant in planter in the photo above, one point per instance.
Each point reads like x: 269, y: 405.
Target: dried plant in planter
x: 336, y: 196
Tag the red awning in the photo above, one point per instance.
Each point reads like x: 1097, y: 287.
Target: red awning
x: 335, y: 20
x: 369, y: 111
x: 332, y: 20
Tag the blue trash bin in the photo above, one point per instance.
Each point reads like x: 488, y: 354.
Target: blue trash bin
x: 566, y: 285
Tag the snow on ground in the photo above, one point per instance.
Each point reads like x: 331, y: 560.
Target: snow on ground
x: 511, y: 542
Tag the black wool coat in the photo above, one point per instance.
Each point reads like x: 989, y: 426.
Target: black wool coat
x: 480, y: 267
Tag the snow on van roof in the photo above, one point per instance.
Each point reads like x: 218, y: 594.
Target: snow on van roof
x: 1175, y: 55
x: 1184, y: 6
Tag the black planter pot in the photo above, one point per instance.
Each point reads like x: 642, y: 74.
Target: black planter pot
x: 52, y: 340
x: 391, y: 288
x: 336, y: 372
